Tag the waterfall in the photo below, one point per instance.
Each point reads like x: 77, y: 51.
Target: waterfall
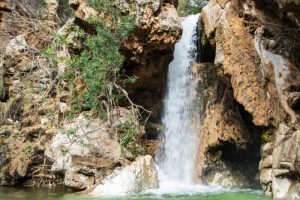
x: 177, y: 157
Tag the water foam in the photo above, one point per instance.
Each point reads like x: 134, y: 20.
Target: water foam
x: 177, y: 158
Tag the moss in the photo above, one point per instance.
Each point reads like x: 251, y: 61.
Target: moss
x: 267, y: 136
x: 203, y: 40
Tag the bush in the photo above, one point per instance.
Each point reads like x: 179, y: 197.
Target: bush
x: 100, y: 62
x: 188, y: 7
x: 64, y: 10
x: 130, y: 133
x: 99, y: 66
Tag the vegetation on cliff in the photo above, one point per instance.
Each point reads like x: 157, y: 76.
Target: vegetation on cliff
x: 99, y: 66
x: 100, y: 62
x: 188, y: 7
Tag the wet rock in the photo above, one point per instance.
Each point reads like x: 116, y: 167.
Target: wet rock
x: 286, y: 152
x: 280, y: 187
x: 227, y: 179
x: 266, y: 176
x: 266, y: 150
x: 138, y: 176
x: 78, y: 181
x: 286, y: 76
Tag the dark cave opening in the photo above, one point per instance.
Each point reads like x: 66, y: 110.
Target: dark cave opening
x: 234, y: 159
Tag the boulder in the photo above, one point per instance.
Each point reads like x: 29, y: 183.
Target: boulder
x: 158, y: 27
x: 87, y: 150
x: 280, y: 171
x: 228, y: 180
x: 138, y: 176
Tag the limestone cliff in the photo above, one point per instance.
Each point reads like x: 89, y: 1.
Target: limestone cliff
x: 253, y: 48
x: 248, y: 82
x: 39, y: 145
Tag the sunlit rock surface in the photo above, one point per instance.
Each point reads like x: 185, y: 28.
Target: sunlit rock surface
x: 87, y: 151
x: 138, y: 176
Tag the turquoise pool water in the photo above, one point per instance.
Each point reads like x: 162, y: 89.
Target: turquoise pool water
x: 63, y: 194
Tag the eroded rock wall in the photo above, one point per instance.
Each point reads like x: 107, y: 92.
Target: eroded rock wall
x: 256, y: 47
x: 35, y: 100
x: 148, y: 51
x: 229, y: 151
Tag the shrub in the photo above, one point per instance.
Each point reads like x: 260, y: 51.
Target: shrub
x: 188, y: 7
x: 100, y: 62
x: 130, y: 133
x: 99, y: 66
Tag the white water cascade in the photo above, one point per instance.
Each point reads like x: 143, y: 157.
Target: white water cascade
x: 177, y: 158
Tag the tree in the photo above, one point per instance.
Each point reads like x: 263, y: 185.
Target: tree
x: 188, y: 7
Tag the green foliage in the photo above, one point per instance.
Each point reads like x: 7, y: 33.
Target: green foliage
x: 99, y: 66
x: 51, y: 51
x: 71, y: 133
x: 70, y: 116
x: 203, y: 40
x: 188, y: 7
x: 40, y: 3
x: 101, y: 61
x: 28, y: 149
x: 132, y: 79
x: 267, y: 136
x: 64, y: 10
x: 130, y: 133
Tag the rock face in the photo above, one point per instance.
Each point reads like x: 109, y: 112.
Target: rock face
x: 228, y: 152
x: 148, y: 53
x: 86, y: 151
x: 25, y: 81
x: 35, y: 100
x: 280, y: 164
x: 148, y: 50
x: 138, y: 176
x: 256, y: 94
x: 159, y: 28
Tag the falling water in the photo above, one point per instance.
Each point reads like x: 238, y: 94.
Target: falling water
x: 177, y: 158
